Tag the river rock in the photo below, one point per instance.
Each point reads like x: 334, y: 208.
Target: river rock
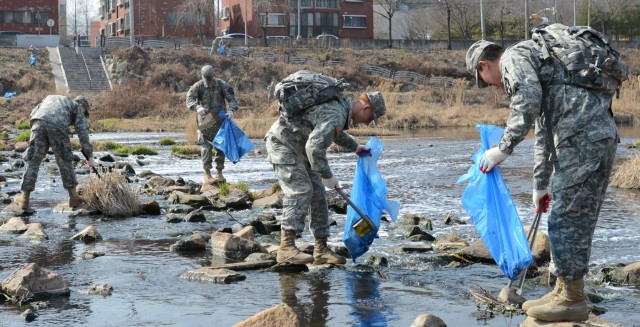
x: 451, y: 219
x: 159, y: 181
x: 180, y: 208
x: 627, y: 275
x: 173, y: 218
x: 101, y: 289
x: 234, y: 247
x: 29, y: 315
x: 14, y: 209
x: 196, y: 216
x: 376, y: 261
x: 236, y: 199
x: 151, y: 208
x: 194, y: 200
x: 476, y: 252
x: 246, y: 233
x: 88, y: 235
x: 541, y: 250
x: 418, y: 248
x: 247, y: 265
x: 14, y: 225
x: 88, y: 255
x: 281, y: 316
x: 271, y: 201
x: 20, y: 146
x: 31, y: 282
x: 34, y: 232
x: 256, y: 257
x: 214, y: 275
x: 428, y: 320
x: 193, y: 243
x: 593, y: 321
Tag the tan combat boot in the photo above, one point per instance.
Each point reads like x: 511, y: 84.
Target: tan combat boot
x: 546, y: 298
x: 23, y: 200
x: 219, y: 177
x: 288, y: 252
x: 569, y: 305
x: 208, y: 179
x: 74, y: 199
x: 322, y: 254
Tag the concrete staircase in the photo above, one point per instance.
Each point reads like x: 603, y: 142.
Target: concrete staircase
x: 75, y: 70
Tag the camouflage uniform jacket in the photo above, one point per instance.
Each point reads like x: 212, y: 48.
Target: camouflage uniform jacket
x: 310, y: 134
x: 532, y: 84
x: 211, y: 97
x: 59, y: 111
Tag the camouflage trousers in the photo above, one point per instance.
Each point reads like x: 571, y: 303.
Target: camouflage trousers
x: 575, y: 209
x: 208, y: 127
x: 43, y: 137
x: 304, y: 196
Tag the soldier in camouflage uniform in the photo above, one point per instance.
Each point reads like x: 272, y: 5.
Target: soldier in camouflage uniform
x: 50, y: 122
x: 297, y: 148
x: 584, y: 137
x: 207, y: 97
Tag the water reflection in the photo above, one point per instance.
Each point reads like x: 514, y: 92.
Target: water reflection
x: 313, y: 314
x: 365, y: 299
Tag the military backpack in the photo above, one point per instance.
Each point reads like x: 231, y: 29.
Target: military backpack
x: 588, y: 59
x: 304, y: 89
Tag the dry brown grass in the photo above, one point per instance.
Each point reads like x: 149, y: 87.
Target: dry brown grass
x: 111, y: 195
x: 627, y: 175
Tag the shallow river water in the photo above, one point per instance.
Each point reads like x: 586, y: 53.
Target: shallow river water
x: 421, y: 170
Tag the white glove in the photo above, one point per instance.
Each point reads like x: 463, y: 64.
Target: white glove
x: 331, y: 183
x: 491, y: 158
x: 538, y: 196
x: 363, y: 150
x: 230, y: 113
x: 202, y: 111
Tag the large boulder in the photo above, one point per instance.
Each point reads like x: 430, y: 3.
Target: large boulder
x: 231, y: 246
x: 31, y: 282
x: 279, y: 316
x: 627, y: 275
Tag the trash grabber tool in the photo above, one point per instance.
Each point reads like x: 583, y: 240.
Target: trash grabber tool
x: 509, y: 294
x: 95, y: 171
x: 364, y: 224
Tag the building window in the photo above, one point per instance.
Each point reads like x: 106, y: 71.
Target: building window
x: 326, y: 3
x: 354, y: 21
x: 273, y: 20
x: 326, y: 23
x: 6, y: 17
x: 171, y: 18
x: 120, y: 24
x: 225, y: 13
x: 303, y: 4
x: 112, y: 29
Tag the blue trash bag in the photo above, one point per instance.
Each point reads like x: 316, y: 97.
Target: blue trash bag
x: 32, y: 60
x: 488, y: 202
x: 8, y: 95
x: 369, y: 194
x: 231, y: 140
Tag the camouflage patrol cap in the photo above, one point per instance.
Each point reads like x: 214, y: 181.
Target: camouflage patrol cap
x: 473, y: 57
x: 207, y: 71
x: 85, y: 103
x: 377, y: 105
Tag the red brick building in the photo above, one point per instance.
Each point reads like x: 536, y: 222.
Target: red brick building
x: 150, y: 18
x: 29, y: 16
x: 342, y: 18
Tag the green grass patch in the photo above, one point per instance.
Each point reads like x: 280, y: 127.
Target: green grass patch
x: 187, y: 150
x: 109, y: 123
x: 243, y: 186
x: 636, y: 144
x: 167, y: 141
x: 122, y: 149
x: 224, y: 189
x: 5, y: 135
x: 23, y: 125
x: 24, y: 136
x: 2, y: 147
x: 275, y: 187
x: 141, y: 149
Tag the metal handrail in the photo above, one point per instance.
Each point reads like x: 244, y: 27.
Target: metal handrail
x: 87, y: 68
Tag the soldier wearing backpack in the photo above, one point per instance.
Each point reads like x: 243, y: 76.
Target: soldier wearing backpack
x: 575, y: 142
x: 297, y: 147
x: 207, y: 97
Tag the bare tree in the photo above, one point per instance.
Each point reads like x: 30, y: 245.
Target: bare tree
x: 447, y: 7
x: 466, y: 16
x: 389, y: 8
x: 263, y: 8
x: 77, y: 18
x: 198, y: 13
x: 418, y: 26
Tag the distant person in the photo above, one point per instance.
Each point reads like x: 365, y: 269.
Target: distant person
x: 222, y: 49
x: 50, y: 121
x: 270, y: 90
x: 33, y: 54
x: 297, y: 148
x: 207, y: 97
